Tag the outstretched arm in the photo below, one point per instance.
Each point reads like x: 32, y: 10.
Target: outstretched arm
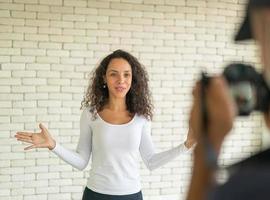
x: 37, y: 140
x: 154, y: 160
x: 79, y: 158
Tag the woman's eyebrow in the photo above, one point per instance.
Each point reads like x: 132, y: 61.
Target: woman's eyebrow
x: 114, y: 70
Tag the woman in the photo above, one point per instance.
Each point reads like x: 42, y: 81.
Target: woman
x: 114, y: 128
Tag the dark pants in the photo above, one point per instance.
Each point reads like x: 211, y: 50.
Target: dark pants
x: 91, y: 195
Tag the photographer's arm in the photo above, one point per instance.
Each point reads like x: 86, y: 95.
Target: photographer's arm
x: 221, y: 112
x: 202, y: 176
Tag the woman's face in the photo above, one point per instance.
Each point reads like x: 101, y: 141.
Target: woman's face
x: 118, y: 78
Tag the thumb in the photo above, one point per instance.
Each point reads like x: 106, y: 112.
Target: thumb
x: 43, y: 129
x: 29, y: 147
x: 40, y: 126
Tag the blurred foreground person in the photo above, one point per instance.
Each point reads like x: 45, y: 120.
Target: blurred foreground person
x: 251, y: 177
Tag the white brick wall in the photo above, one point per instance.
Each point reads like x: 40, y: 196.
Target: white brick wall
x: 48, y: 48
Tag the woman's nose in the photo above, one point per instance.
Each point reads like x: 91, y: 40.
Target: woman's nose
x: 121, y: 79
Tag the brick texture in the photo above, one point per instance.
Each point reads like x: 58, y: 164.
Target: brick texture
x: 48, y: 48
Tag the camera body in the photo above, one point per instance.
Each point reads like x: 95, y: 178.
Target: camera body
x: 248, y: 88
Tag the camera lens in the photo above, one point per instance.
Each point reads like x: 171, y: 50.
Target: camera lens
x: 245, y: 84
x: 244, y: 95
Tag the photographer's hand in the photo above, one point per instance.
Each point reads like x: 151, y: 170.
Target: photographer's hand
x: 221, y: 112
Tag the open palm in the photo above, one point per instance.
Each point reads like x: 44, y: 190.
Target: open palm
x: 37, y: 140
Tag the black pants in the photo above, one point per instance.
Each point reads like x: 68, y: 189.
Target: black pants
x: 91, y: 195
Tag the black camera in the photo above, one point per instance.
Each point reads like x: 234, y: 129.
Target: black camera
x: 248, y: 88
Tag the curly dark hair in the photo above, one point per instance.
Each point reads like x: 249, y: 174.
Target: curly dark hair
x: 138, y: 99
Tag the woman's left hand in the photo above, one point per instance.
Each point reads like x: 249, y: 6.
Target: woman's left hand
x: 191, y: 138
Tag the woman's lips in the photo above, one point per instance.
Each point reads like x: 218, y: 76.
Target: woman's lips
x: 120, y: 89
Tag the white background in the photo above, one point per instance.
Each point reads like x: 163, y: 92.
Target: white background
x: 48, y: 48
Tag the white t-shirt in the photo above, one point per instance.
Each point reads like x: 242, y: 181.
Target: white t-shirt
x: 115, y: 150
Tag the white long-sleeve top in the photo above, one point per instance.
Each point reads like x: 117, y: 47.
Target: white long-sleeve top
x: 115, y: 150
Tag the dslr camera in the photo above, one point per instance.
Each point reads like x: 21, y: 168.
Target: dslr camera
x: 248, y: 88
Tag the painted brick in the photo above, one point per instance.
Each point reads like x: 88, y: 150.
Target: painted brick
x: 49, y: 47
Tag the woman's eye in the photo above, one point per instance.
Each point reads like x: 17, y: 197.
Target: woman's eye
x: 127, y: 75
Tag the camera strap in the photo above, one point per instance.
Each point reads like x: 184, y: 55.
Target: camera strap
x: 211, y: 155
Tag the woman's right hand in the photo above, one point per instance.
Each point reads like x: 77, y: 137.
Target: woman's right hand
x: 38, y: 140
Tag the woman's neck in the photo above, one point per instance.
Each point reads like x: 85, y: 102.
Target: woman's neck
x: 118, y: 105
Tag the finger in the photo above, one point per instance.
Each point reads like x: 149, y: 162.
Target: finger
x: 29, y: 147
x: 44, y: 129
x: 25, y: 133
x: 23, y: 137
x: 41, y: 145
x: 25, y: 140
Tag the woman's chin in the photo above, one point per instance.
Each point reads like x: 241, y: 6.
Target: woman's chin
x: 119, y: 95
